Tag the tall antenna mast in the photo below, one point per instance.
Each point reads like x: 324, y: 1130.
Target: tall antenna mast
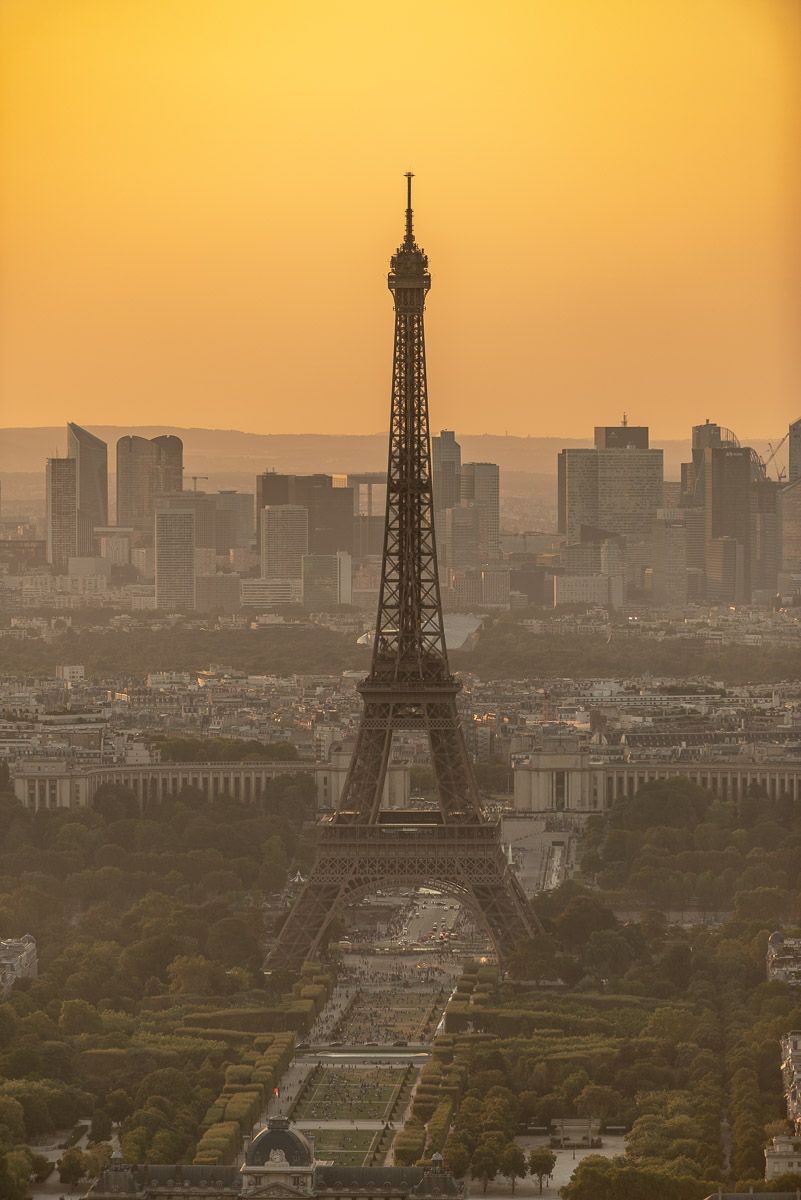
x: 409, y: 231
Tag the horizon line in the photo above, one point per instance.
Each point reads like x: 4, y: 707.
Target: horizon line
x: 376, y: 433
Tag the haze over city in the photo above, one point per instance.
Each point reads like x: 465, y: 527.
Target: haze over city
x: 400, y: 793
x: 197, y: 200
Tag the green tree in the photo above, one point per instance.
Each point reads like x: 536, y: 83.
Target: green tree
x: 608, y: 953
x: 119, y: 1105
x: 512, y: 1163
x: 15, y: 1171
x: 8, y: 1024
x: 457, y: 1157
x: 535, y: 959
x: 595, y: 1100
x: 40, y: 1167
x: 101, y: 1127
x: 72, y: 1166
x: 541, y: 1162
x: 582, y: 917
x: 484, y: 1164
x: 98, y: 1158
x: 12, y: 1116
x: 79, y: 1017
x: 192, y: 974
x: 231, y: 941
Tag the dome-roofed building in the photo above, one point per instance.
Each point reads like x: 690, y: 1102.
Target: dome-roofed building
x: 279, y: 1155
x: 278, y: 1143
x: 279, y: 1165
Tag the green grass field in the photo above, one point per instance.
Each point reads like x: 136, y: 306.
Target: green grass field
x: 386, y: 1016
x: 350, y: 1094
x: 345, y: 1147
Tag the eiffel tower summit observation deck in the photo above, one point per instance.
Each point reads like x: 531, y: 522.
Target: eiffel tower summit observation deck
x: 410, y: 686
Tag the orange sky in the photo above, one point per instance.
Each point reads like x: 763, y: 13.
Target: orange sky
x: 199, y: 198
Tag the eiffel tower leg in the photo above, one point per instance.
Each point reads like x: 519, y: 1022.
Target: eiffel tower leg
x: 458, y: 796
x: 506, y: 911
x: 303, y: 931
x: 364, y: 785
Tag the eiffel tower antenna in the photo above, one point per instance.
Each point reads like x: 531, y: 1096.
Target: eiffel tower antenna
x: 410, y: 686
x: 409, y: 239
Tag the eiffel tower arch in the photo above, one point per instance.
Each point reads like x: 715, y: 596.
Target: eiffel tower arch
x: 410, y: 686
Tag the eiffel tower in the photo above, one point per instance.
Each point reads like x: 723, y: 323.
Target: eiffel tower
x: 360, y: 848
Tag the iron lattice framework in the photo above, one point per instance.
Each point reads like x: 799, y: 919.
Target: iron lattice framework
x: 409, y: 687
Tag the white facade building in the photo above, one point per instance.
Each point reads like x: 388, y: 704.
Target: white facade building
x: 270, y: 593
x: 17, y: 961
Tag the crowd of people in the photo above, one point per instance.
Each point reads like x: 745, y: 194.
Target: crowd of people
x: 350, y: 1091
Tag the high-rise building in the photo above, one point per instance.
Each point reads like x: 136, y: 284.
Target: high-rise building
x: 327, y: 580
x: 794, y: 453
x: 616, y: 487
x: 284, y: 540
x: 369, y: 513
x: 621, y: 437
x: 629, y: 490
x: 790, y: 515
x: 577, y: 491
x: 460, y: 535
x: 62, y: 511
x: 91, y: 456
x: 721, y: 481
x: 330, y: 507
x: 669, y: 579
x: 203, y: 505
x: 146, y: 468
x: 727, y: 518
x: 175, y: 558
x: 135, y: 468
x: 495, y: 587
x: 114, y: 543
x: 480, y: 485
x: 741, y: 509
x: 446, y: 466
x: 169, y: 465
x: 234, y: 520
x: 766, y: 538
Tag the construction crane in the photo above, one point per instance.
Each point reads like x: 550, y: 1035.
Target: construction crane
x: 774, y: 450
x: 194, y: 479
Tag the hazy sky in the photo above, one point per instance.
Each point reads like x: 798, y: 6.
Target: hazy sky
x: 199, y: 199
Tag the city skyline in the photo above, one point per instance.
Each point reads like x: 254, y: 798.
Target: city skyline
x: 429, y: 839
x: 626, y: 185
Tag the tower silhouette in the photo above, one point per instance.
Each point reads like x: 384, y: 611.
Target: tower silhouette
x: 360, y: 848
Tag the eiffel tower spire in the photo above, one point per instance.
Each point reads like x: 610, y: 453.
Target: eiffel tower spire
x: 409, y: 641
x: 409, y: 687
x: 409, y: 239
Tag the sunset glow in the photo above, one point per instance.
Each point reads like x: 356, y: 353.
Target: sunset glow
x: 199, y: 200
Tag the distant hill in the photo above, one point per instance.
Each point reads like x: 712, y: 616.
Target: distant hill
x: 220, y: 450
x: 231, y: 458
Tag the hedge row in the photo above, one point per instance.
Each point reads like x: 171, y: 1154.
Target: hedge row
x: 219, y: 1144
x: 410, y: 1142
x: 262, y: 1063
x: 443, y: 1079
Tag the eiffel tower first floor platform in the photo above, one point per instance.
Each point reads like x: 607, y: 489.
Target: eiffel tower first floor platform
x: 406, y: 849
